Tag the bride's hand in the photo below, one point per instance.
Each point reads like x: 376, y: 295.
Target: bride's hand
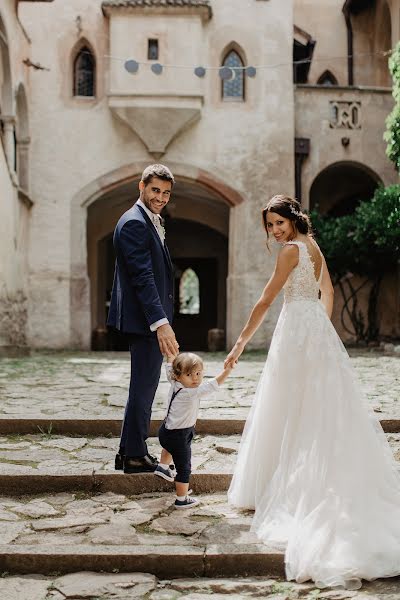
x: 233, y: 356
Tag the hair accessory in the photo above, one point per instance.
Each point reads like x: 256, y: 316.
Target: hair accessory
x: 294, y: 211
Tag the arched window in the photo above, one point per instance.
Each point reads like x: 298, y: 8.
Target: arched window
x: 233, y: 89
x: 84, y: 73
x: 327, y: 78
x: 189, y: 293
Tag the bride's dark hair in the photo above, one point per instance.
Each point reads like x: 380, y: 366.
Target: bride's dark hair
x: 289, y: 208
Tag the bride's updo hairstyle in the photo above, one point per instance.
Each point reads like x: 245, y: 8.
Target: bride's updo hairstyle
x: 289, y: 208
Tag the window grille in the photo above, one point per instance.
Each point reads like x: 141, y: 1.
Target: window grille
x: 84, y: 73
x: 233, y: 89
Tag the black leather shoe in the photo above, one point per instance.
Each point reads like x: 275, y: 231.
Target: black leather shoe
x: 141, y: 464
x: 119, y: 462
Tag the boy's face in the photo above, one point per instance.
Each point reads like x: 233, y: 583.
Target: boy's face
x: 193, y: 379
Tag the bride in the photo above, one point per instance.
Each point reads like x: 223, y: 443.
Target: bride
x: 313, y: 462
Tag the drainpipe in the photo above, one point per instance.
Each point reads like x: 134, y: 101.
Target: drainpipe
x: 350, y: 64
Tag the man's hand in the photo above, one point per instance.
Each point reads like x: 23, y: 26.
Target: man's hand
x: 167, y: 340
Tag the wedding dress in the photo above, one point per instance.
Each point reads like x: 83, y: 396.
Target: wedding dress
x: 314, y: 462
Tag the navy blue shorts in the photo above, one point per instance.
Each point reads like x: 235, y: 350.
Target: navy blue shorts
x: 178, y: 443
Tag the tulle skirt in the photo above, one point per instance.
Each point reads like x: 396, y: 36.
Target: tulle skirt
x: 314, y: 462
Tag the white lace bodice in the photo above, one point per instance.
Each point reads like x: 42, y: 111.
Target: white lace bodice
x: 301, y: 283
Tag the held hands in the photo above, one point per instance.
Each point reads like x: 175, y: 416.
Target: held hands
x: 167, y: 341
x: 233, y: 356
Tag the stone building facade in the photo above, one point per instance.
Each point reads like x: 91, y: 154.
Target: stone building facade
x: 84, y: 110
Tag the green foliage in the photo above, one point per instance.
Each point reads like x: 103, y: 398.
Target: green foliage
x: 368, y: 241
x: 392, y: 134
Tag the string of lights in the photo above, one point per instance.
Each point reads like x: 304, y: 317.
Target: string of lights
x: 226, y: 73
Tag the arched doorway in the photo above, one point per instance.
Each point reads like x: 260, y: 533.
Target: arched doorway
x: 338, y: 189
x: 197, y: 226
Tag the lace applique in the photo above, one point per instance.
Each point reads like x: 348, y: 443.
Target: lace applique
x: 301, y: 283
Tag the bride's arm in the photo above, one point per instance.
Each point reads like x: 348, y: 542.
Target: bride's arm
x: 327, y: 291
x: 286, y: 261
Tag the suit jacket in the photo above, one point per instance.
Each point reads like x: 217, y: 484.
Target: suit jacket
x: 143, y: 285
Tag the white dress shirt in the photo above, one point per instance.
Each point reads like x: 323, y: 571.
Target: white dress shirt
x: 156, y: 220
x: 185, y: 407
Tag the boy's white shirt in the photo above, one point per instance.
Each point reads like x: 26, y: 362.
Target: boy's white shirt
x: 185, y: 407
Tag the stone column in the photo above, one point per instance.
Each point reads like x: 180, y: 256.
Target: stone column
x: 23, y: 163
x: 9, y: 140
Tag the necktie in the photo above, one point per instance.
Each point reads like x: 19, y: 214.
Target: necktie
x: 159, y: 227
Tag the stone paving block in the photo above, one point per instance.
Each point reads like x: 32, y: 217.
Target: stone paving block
x: 23, y: 588
x: 90, y: 585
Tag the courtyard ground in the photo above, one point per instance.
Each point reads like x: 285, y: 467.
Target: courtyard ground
x: 72, y: 527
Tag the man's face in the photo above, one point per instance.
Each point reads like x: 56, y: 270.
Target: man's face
x: 156, y: 194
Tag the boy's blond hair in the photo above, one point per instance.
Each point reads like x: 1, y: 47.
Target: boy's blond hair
x: 184, y: 363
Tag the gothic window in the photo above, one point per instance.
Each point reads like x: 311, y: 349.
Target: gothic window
x: 233, y: 89
x: 84, y: 73
x: 327, y: 79
x: 189, y: 293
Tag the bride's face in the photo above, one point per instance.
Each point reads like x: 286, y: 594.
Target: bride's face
x: 280, y: 227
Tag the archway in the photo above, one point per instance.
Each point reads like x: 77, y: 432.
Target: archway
x: 339, y: 188
x: 197, y: 226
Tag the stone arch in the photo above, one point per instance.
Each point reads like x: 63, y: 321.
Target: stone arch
x: 340, y: 186
x: 82, y: 44
x: 22, y: 138
x: 234, y: 47
x: 116, y: 191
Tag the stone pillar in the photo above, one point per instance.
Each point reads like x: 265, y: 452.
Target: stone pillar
x: 9, y: 140
x: 302, y: 150
x: 23, y: 163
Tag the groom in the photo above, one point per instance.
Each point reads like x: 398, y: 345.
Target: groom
x: 141, y: 307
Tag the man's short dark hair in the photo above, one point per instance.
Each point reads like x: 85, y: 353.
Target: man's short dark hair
x: 160, y: 171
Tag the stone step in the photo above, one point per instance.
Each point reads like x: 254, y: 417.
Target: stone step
x: 109, y: 532
x: 86, y: 426
x: 93, y: 482
x: 43, y: 463
x: 32, y: 464
x: 161, y: 561
x: 106, y: 426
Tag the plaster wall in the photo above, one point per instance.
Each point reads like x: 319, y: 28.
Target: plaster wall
x: 328, y: 28
x: 78, y: 143
x: 14, y: 207
x: 365, y: 147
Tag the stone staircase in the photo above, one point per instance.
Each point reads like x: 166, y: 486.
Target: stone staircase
x: 76, y: 528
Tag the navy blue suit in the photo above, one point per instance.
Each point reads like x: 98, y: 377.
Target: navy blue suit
x: 142, y: 294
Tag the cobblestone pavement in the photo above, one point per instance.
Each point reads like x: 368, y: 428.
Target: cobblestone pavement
x: 105, y: 520
x: 95, y: 385
x: 36, y: 454
x: 127, y: 586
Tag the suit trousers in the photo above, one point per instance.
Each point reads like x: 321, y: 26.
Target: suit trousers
x: 146, y: 361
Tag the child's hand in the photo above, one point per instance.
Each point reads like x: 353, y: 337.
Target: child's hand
x: 170, y: 358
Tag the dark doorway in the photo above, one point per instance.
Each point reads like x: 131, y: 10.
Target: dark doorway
x: 191, y: 323
x: 339, y: 188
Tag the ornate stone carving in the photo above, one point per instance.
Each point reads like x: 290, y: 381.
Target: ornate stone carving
x: 345, y: 114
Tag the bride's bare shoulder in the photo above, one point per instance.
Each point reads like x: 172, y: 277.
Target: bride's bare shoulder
x: 289, y: 254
